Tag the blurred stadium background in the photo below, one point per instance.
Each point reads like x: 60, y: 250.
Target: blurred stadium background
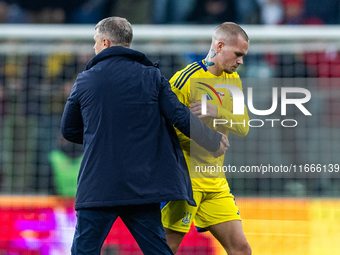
x: 39, y: 63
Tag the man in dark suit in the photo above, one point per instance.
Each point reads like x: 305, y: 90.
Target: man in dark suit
x: 123, y: 110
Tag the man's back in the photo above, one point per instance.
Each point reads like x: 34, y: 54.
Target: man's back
x: 122, y: 109
x: 121, y: 97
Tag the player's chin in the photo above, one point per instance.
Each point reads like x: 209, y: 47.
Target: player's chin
x: 233, y: 69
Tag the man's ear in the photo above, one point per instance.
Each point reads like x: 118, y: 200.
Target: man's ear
x: 107, y: 43
x: 220, y: 46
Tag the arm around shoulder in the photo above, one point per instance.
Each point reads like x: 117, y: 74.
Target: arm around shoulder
x: 178, y: 115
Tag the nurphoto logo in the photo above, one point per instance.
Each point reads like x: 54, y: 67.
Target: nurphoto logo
x: 238, y: 105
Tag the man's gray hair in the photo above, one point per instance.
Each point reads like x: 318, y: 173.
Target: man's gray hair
x: 115, y: 29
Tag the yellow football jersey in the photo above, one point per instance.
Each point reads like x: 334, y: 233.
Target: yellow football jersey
x: 189, y: 84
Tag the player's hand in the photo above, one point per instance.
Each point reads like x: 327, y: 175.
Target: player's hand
x: 224, y: 145
x: 196, y: 108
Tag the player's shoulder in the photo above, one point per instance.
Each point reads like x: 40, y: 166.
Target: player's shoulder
x: 190, y: 71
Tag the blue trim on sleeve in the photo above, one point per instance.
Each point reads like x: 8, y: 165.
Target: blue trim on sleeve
x: 193, y: 71
x: 202, y: 65
x: 183, y: 74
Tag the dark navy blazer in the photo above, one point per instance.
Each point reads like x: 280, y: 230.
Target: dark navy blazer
x: 123, y: 110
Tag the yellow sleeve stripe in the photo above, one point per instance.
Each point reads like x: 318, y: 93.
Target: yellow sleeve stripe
x: 184, y: 73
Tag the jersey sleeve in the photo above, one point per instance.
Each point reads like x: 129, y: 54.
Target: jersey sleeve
x: 183, y: 92
x: 183, y: 95
x: 177, y: 114
x: 237, y: 124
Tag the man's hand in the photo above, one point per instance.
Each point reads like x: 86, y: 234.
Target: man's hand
x: 196, y: 108
x: 224, y: 145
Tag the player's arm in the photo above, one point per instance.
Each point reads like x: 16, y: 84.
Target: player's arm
x: 178, y: 115
x: 236, y: 124
x: 72, y: 122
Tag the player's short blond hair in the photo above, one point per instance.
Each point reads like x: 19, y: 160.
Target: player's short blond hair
x: 229, y: 31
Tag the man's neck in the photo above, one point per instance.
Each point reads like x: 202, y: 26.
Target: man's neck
x: 214, y: 70
x: 210, y: 63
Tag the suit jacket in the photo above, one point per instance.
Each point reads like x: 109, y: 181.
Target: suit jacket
x: 123, y: 110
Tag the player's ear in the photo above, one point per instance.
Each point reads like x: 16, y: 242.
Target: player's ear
x: 220, y: 46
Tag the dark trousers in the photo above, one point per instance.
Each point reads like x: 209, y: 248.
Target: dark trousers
x: 143, y: 222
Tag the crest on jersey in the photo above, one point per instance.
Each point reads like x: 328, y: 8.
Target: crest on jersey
x: 221, y: 94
